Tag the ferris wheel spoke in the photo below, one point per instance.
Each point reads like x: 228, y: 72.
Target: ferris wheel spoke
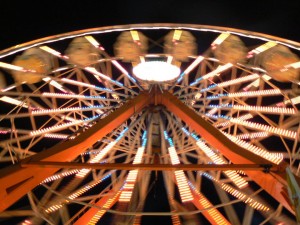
x: 97, y: 45
x: 89, y: 69
x: 229, y: 104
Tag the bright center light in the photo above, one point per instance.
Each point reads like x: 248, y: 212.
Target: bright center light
x: 156, y: 71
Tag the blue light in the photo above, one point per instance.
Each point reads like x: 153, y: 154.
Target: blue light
x: 195, y: 137
x: 121, y: 134
x: 185, y: 131
x: 118, y: 83
x: 91, y: 118
x: 144, y: 135
x: 196, y: 81
x: 166, y: 135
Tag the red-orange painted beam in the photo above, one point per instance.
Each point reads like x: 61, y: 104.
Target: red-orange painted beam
x: 16, y: 181
x: 153, y: 167
x: 273, y: 183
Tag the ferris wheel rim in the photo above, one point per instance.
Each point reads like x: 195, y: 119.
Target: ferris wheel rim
x: 144, y: 26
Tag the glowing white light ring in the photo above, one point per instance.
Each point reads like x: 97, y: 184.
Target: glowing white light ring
x: 156, y: 71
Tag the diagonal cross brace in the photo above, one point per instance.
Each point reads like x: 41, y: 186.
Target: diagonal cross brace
x: 16, y: 181
x: 274, y: 182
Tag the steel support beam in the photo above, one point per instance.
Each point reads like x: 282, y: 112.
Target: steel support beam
x: 16, y: 180
x: 211, y: 214
x: 89, y: 214
x: 16, y: 213
x: 153, y: 167
x: 229, y: 209
x: 273, y: 183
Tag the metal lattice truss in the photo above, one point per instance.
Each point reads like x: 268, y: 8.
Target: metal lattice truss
x: 82, y: 141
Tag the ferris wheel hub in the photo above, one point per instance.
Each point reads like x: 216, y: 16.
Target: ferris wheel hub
x: 156, y: 71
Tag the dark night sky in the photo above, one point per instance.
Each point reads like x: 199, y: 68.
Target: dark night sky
x: 22, y: 21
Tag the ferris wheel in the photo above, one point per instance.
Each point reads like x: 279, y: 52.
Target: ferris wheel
x: 132, y: 124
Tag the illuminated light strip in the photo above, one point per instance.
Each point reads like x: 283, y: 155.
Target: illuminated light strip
x: 239, y: 195
x: 137, y: 220
x: 193, y: 64
x: 191, y: 67
x: 53, y: 208
x: 266, y: 128
x: 175, y: 220
x: 83, y: 172
x: 82, y: 84
x: 273, y: 157
x: 270, y: 92
x: 173, y: 155
x: 216, y: 117
x: 256, y: 82
x: 76, y: 194
x: 55, y: 128
x: 174, y: 217
x: 244, y: 117
x: 205, y: 203
x: 117, y: 64
x: 220, y: 39
x: 177, y: 35
x: 128, y: 186
x: 89, y: 69
x: 60, y: 69
x: 59, y: 136
x: 236, y: 179
x: 87, y: 187
x: 70, y: 118
x: 217, y: 71
x: 12, y: 67
x: 59, y: 175
x: 88, y: 97
x: 275, y: 110
x: 122, y: 69
x: 61, y: 126
x: 70, y: 109
x: 238, y: 80
x: 53, y: 52
x: 94, y: 42
x: 279, y: 110
x: 13, y: 101
x: 135, y: 35
x: 100, y: 213
x: 8, y: 88
x: 233, y: 175
x: 97, y: 158
x: 5, y: 131
x: 262, y: 48
x: 212, y: 73
x: 293, y: 101
x: 95, y: 72
x: 231, y: 82
x: 132, y: 175
x: 295, y: 65
x: 252, y: 135
x: 212, y: 111
x: 182, y: 183
x: 55, y: 84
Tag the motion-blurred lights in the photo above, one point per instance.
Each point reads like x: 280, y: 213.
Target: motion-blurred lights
x: 156, y: 71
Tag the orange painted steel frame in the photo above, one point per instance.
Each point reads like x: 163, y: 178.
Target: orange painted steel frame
x: 16, y: 180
